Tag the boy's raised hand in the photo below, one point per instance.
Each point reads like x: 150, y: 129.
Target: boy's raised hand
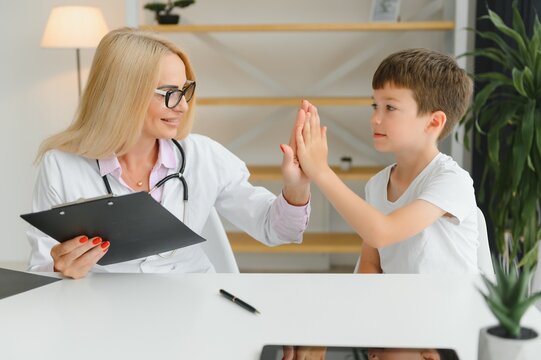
x: 312, y: 148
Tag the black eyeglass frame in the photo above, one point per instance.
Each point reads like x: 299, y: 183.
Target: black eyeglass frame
x: 167, y: 94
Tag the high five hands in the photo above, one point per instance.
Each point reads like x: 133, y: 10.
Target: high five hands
x: 311, y: 142
x: 296, y: 188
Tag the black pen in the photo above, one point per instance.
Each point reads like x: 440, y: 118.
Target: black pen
x: 238, y: 301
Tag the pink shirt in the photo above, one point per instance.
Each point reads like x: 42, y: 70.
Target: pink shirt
x: 166, y: 161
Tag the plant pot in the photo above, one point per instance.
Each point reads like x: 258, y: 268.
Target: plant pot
x: 494, y: 347
x: 168, y: 19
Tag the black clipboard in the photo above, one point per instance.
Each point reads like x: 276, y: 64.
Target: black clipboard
x: 136, y: 225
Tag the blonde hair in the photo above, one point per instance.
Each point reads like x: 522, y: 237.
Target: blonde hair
x: 120, y: 86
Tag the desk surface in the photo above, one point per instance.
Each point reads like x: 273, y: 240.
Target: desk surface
x: 132, y: 316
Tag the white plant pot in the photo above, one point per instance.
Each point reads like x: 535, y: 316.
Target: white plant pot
x: 493, y: 347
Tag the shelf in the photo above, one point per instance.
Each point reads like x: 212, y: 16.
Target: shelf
x: 261, y: 172
x: 369, y: 26
x: 335, y: 243
x: 285, y: 101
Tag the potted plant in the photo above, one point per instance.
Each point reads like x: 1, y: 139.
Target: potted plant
x: 508, y: 112
x: 508, y: 299
x: 163, y: 10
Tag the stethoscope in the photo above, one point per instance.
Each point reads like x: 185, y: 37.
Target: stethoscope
x: 178, y: 175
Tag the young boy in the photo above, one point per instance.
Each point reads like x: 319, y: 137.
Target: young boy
x: 420, y: 214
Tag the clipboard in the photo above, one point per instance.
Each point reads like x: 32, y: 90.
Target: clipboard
x: 136, y: 225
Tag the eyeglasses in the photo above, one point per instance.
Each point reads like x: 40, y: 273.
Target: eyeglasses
x: 174, y: 96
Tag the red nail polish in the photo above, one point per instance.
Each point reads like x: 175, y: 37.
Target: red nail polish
x: 83, y: 239
x: 96, y: 241
x: 105, y: 244
x: 282, y: 148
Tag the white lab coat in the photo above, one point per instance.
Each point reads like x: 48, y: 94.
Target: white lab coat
x: 215, y: 177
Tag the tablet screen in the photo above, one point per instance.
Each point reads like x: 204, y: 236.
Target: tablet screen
x: 287, y: 352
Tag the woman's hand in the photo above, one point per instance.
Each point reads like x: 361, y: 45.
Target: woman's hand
x: 312, y: 145
x: 296, y: 184
x: 74, y: 258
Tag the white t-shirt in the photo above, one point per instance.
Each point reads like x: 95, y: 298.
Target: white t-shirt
x: 449, y: 245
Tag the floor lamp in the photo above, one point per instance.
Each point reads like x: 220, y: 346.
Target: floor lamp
x: 74, y: 27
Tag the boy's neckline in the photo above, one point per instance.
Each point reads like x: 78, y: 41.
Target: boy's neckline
x: 400, y: 194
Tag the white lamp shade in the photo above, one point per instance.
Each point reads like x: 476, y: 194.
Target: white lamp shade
x: 74, y: 27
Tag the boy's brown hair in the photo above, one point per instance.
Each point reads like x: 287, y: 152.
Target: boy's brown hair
x: 436, y: 80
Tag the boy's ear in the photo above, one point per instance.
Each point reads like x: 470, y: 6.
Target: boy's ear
x: 437, y: 121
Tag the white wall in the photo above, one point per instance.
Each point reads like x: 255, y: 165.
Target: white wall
x: 38, y: 87
x: 38, y: 96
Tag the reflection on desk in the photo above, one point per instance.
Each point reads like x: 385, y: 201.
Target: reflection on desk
x: 288, y: 352
x: 183, y: 316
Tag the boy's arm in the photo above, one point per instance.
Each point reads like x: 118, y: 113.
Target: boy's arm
x: 375, y: 228
x: 370, y: 263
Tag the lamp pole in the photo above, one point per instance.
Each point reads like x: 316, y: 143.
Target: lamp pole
x: 78, y: 55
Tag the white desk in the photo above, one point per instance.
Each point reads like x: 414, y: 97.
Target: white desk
x: 121, y: 316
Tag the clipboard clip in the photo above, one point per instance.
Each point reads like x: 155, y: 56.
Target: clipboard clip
x: 82, y: 200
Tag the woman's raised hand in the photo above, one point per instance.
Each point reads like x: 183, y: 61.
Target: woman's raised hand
x: 311, y: 141
x: 296, y: 183
x: 74, y: 258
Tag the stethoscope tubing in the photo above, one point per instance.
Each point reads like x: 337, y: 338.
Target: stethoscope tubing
x: 179, y: 175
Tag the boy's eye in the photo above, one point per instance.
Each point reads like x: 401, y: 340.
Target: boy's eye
x: 374, y: 106
x: 390, y: 108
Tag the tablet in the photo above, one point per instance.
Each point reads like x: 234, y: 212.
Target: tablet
x: 277, y: 352
x: 136, y: 225
x: 14, y: 282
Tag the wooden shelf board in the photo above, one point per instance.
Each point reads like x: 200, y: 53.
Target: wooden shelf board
x: 335, y: 243
x: 264, y: 172
x: 285, y: 101
x: 368, y: 26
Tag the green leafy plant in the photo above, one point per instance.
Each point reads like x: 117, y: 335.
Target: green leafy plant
x: 508, y: 297
x: 507, y: 111
x: 166, y: 8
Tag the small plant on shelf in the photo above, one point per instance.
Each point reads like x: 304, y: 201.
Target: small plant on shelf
x: 163, y: 10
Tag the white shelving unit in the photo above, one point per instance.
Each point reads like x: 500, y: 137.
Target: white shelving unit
x: 433, y: 17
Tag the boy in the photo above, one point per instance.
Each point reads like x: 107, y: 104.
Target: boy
x: 420, y: 214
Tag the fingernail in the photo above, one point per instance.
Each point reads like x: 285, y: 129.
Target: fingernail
x: 105, y: 250
x: 105, y: 244
x: 83, y: 239
x: 96, y: 241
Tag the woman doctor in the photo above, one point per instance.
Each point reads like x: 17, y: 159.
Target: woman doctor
x: 138, y: 100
